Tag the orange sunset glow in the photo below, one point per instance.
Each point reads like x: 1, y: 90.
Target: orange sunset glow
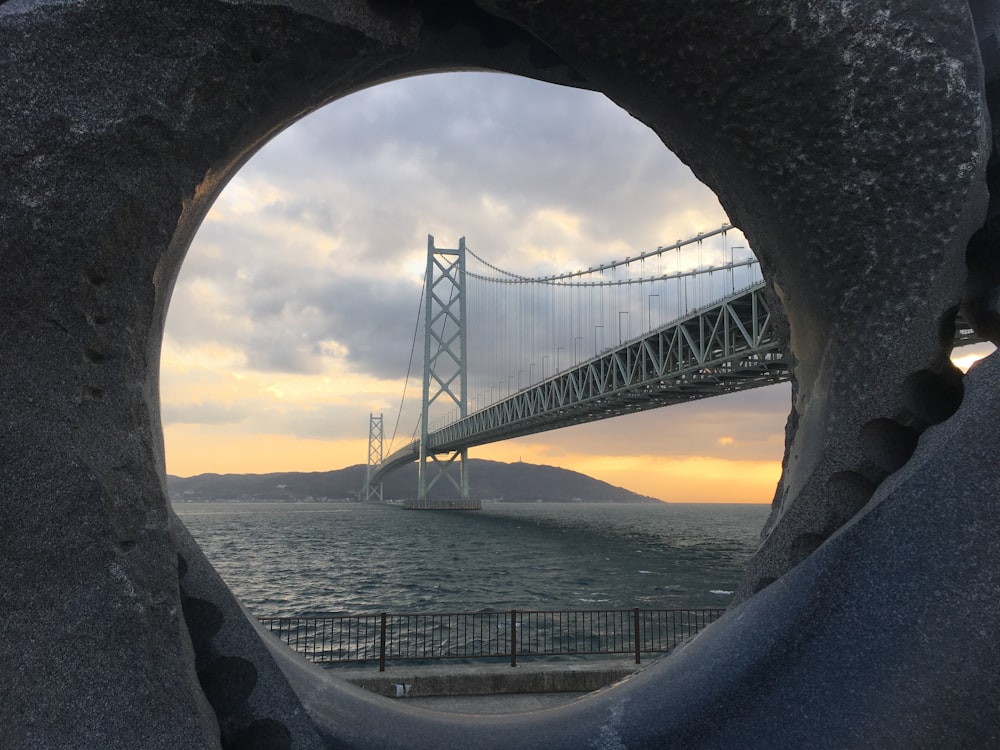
x: 294, y: 313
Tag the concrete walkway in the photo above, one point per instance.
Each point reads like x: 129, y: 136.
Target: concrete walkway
x: 506, y: 703
x: 492, y: 688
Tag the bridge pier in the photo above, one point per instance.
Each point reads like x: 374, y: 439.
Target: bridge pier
x: 441, y: 503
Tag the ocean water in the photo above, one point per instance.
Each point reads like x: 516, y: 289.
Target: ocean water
x: 331, y: 558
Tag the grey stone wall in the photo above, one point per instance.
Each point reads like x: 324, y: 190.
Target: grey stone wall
x: 851, y: 141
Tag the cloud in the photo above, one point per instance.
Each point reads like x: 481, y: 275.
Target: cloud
x: 295, y: 310
x: 202, y: 412
x: 286, y: 321
x: 321, y: 236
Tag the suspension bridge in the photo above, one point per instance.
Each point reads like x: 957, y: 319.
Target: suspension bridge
x: 507, y: 355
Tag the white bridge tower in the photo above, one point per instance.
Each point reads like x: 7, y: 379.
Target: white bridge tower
x: 445, y: 375
x: 372, y: 493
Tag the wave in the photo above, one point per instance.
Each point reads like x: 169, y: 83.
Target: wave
x: 366, y: 558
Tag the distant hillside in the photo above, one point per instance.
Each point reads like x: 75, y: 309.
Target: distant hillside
x: 517, y: 482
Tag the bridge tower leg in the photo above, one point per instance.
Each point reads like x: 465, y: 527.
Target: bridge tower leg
x: 372, y: 493
x: 445, y: 375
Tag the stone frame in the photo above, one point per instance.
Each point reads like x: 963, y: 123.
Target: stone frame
x: 850, y: 141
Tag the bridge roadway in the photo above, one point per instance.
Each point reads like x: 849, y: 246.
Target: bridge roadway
x: 725, y: 347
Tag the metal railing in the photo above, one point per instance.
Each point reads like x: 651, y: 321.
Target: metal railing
x: 485, y: 635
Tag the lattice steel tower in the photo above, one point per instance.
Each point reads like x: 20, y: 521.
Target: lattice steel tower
x: 373, y: 493
x: 445, y: 372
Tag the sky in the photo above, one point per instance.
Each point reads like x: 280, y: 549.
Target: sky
x: 293, y: 316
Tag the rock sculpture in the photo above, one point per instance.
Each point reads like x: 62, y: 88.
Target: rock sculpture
x: 851, y: 141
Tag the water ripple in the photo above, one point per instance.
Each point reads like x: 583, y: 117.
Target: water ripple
x: 307, y: 559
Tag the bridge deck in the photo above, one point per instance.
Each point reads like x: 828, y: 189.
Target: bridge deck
x: 726, y: 347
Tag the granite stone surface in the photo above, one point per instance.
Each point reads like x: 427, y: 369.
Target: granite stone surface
x: 853, y: 141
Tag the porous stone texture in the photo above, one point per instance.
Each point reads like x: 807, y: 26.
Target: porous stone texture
x: 981, y: 301
x: 249, y: 695
x: 851, y: 140
x: 849, y: 197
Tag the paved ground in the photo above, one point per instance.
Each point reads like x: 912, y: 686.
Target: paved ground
x: 504, y: 703
x: 492, y: 688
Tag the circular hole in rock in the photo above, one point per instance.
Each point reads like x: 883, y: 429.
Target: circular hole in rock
x: 804, y: 545
x: 227, y: 682
x: 931, y: 397
x: 983, y: 282
x: 849, y: 493
x: 887, y: 446
x: 257, y: 586
x: 263, y: 734
x: 203, y: 621
x: 946, y: 328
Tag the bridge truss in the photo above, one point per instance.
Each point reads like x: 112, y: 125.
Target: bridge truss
x: 724, y: 348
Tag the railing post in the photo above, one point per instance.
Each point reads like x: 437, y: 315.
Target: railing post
x: 381, y: 646
x: 635, y: 622
x: 513, y: 637
x: 551, y: 633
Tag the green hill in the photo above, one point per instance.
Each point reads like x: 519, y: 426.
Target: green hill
x: 489, y: 480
